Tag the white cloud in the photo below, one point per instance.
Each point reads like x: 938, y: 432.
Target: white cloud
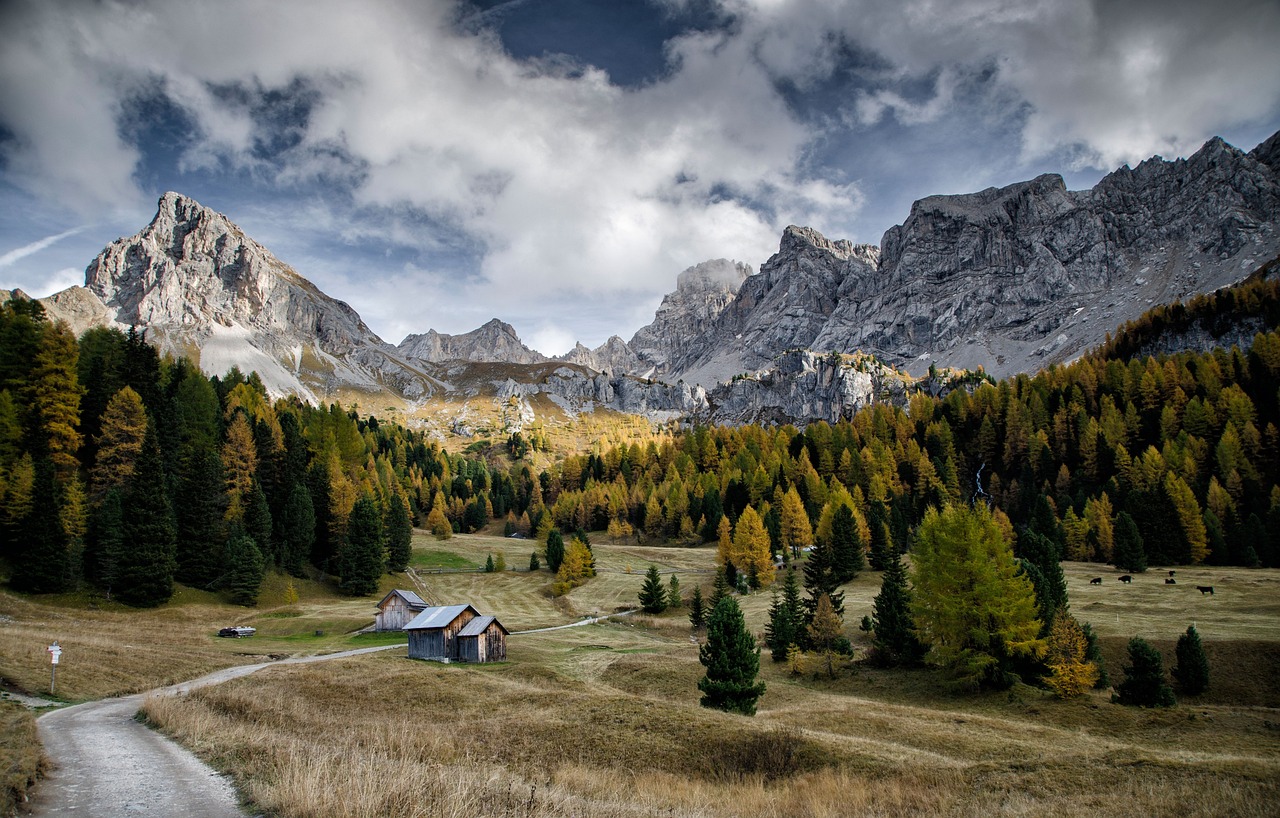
x: 574, y: 188
x: 34, y: 247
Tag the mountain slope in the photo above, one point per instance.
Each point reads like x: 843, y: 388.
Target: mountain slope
x: 204, y: 289
x: 1008, y: 279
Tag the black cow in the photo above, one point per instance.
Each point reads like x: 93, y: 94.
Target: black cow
x: 1096, y: 581
x: 1205, y: 589
x: 1171, y: 573
x: 1126, y: 579
x: 1170, y: 581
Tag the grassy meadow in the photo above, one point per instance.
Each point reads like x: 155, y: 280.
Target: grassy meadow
x: 603, y: 720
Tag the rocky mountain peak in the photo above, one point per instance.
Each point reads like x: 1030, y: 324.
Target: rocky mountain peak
x: 494, y: 341
x: 717, y: 274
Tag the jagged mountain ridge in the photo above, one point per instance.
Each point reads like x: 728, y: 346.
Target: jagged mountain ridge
x: 1010, y: 279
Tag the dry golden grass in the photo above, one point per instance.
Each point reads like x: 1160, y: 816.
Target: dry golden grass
x: 20, y: 759
x: 603, y: 720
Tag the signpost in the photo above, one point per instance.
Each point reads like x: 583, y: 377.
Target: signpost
x: 55, y: 652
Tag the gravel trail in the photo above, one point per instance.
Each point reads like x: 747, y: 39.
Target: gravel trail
x: 107, y: 765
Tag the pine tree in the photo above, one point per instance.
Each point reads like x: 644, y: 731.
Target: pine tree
x: 1192, y: 669
x: 244, y: 570
x: 1144, y: 684
x: 820, y: 580
x: 297, y: 529
x: 786, y: 618
x: 751, y: 549
x: 674, y: 600
x: 881, y: 547
x: 105, y: 542
x: 398, y: 530
x: 144, y: 571
x: 732, y: 662
x: 697, y: 610
x: 1071, y: 672
x: 653, y: 597
x: 361, y: 562
x: 720, y: 589
x: 895, y: 636
x: 257, y: 523
x: 41, y: 564
x: 1094, y: 654
x: 846, y: 547
x: 826, y: 633
x: 198, y: 510
x: 1041, y: 565
x: 488, y: 564
x: 971, y: 605
x: 123, y: 428
x: 555, y: 550
x: 1128, y: 553
x: 55, y: 398
x: 534, y: 565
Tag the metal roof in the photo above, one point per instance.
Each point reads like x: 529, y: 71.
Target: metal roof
x: 410, y: 597
x: 436, y: 617
x: 478, y: 625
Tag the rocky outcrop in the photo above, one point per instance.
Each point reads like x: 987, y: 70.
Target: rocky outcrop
x: 204, y: 289
x: 495, y: 341
x: 576, y: 390
x: 684, y: 324
x: 803, y: 386
x: 612, y: 356
x: 78, y: 308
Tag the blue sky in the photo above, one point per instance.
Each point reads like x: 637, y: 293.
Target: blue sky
x: 556, y: 163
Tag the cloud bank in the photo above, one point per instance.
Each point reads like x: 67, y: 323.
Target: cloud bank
x: 388, y: 126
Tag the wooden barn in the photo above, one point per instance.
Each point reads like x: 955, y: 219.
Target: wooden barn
x: 483, y: 639
x: 456, y: 633
x: 398, y: 609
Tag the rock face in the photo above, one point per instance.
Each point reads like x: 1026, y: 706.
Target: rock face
x: 1009, y: 279
x: 612, y: 356
x: 204, y: 289
x: 577, y: 390
x: 495, y: 342
x: 683, y: 324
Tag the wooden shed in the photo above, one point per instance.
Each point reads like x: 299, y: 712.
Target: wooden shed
x: 433, y: 634
x: 398, y: 609
x: 483, y: 639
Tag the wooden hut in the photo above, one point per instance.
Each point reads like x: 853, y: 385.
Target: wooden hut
x: 433, y: 634
x: 398, y: 609
x: 483, y: 639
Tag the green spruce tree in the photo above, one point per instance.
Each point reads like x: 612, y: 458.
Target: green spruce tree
x: 398, y: 530
x: 1192, y: 669
x: 697, y: 610
x: 894, y: 633
x: 144, y: 571
x: 1144, y: 684
x: 846, y: 547
x: 297, y: 530
x: 244, y: 570
x: 674, y: 600
x: 786, y: 618
x: 41, y: 564
x: 653, y: 597
x: 732, y: 662
x: 361, y: 562
x: 555, y: 550
x: 1128, y: 553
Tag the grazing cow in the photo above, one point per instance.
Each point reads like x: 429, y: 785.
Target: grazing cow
x: 1170, y: 581
x: 1171, y: 573
x: 1096, y: 581
x: 1126, y: 579
x: 1205, y: 589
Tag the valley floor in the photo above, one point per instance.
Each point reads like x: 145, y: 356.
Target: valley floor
x: 603, y: 720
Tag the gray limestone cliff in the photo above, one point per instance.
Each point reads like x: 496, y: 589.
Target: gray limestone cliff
x: 495, y: 341
x: 204, y: 289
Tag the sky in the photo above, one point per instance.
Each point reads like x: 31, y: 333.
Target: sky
x: 557, y: 163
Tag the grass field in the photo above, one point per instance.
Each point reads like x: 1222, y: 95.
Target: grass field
x: 603, y: 720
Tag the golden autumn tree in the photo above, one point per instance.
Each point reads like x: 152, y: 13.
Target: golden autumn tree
x: 796, y: 530
x: 1071, y: 673
x: 124, y: 427
x: 751, y: 548
x: 55, y: 397
x: 239, y: 463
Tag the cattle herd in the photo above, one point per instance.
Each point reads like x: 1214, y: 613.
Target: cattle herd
x: 1128, y: 578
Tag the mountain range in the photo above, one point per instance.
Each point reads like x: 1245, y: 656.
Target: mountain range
x: 1007, y: 279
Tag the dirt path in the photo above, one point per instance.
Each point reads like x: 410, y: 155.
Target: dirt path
x: 106, y: 765
x: 579, y: 623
